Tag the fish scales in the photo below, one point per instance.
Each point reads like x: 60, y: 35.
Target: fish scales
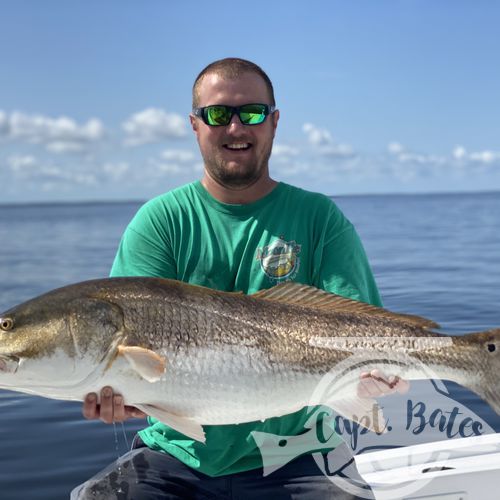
x: 190, y: 356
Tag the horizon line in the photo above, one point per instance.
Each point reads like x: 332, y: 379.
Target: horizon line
x: 101, y: 201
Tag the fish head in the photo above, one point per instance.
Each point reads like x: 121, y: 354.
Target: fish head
x: 56, y: 341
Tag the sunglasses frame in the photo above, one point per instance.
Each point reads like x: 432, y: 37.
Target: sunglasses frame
x: 235, y: 110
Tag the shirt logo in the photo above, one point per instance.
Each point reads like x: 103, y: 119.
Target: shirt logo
x: 279, y: 260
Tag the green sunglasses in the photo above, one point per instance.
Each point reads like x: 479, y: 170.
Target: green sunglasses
x: 219, y: 114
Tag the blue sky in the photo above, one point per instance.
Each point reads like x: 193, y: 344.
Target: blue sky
x: 375, y: 96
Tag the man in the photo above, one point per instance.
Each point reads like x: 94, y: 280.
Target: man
x: 236, y: 230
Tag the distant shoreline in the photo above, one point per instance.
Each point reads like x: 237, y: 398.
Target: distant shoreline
x: 46, y: 203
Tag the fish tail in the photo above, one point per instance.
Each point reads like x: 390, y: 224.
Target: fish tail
x: 484, y: 359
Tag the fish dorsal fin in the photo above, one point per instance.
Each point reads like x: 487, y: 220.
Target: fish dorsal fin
x: 310, y: 296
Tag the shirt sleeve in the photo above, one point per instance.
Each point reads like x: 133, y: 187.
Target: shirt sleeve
x: 343, y: 265
x: 144, y: 251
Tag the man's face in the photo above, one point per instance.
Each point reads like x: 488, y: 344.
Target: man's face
x: 236, y: 155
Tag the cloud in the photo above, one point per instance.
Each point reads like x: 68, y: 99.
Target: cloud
x: 459, y: 153
x: 62, y: 147
x: 458, y: 157
x: 20, y: 163
x: 173, y: 162
x: 27, y: 168
x: 57, y: 135
x: 178, y: 155
x: 116, y: 170
x: 395, y: 148
x: 403, y: 155
x: 4, y: 123
x: 317, y: 136
x: 408, y: 165
x: 153, y: 125
x: 323, y: 143
x: 486, y: 157
x: 284, y: 150
x: 158, y: 168
x: 295, y: 168
x: 287, y: 161
x: 169, y: 168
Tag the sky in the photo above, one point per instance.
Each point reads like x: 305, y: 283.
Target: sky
x: 375, y: 96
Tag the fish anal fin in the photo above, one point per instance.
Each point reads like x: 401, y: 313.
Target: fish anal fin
x: 181, y: 424
x: 310, y: 296
x: 147, y: 363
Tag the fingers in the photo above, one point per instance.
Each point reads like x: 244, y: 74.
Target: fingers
x: 111, y: 408
x: 118, y: 408
x: 107, y: 405
x: 372, y: 385
x: 375, y: 384
x: 90, y: 409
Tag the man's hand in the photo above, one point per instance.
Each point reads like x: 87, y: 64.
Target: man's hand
x: 375, y: 384
x: 111, y: 408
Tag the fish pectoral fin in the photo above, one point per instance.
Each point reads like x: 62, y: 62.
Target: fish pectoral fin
x: 183, y: 425
x: 364, y: 411
x: 148, y: 364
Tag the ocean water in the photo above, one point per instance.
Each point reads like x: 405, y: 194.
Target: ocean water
x: 433, y: 255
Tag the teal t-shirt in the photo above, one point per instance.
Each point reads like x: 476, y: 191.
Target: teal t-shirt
x: 289, y: 235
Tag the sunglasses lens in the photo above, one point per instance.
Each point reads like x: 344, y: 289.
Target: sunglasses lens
x: 250, y: 114
x: 253, y: 114
x: 217, y: 115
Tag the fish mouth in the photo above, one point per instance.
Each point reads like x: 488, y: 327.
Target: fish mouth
x: 8, y: 364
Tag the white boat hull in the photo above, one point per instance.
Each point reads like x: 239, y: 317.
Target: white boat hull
x: 457, y: 469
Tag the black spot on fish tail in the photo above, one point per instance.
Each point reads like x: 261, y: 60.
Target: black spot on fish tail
x: 479, y: 353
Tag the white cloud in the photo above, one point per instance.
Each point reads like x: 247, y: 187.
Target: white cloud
x: 178, y: 155
x: 284, y: 150
x: 58, y: 135
x: 395, y: 148
x: 173, y: 162
x: 459, y: 157
x: 459, y: 153
x: 28, y: 168
x: 317, y: 136
x: 116, y: 171
x: 323, y: 142
x: 338, y: 151
x: 20, y: 163
x: 403, y: 155
x: 293, y: 168
x: 153, y: 125
x: 4, y: 123
x: 486, y: 157
x: 61, y: 147
x: 170, y: 168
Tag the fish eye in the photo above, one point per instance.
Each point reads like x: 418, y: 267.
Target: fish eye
x: 492, y: 347
x: 6, y: 324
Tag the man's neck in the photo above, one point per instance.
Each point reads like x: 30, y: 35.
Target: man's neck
x: 239, y: 196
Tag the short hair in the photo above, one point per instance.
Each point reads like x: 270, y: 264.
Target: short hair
x: 231, y: 67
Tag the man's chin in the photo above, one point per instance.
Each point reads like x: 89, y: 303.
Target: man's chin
x: 236, y: 176
x: 237, y: 183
